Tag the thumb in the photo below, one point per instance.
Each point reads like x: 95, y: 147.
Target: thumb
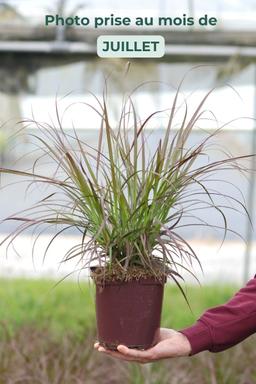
x: 135, y: 353
x: 123, y: 349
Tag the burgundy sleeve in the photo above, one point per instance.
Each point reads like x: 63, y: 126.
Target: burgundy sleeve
x: 224, y: 326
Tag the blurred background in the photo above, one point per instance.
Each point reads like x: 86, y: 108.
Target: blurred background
x: 40, y: 65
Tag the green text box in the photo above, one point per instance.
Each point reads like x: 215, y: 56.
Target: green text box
x: 141, y: 46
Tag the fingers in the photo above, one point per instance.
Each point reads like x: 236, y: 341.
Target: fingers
x: 135, y: 353
x: 127, y: 354
x: 100, y: 348
x: 115, y: 354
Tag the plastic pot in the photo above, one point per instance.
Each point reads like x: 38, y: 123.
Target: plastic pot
x: 129, y: 313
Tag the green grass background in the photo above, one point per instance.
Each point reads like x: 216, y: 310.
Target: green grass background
x: 69, y: 306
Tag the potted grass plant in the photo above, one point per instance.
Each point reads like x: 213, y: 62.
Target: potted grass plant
x: 127, y: 200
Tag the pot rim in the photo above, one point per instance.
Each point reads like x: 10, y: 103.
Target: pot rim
x: 142, y: 281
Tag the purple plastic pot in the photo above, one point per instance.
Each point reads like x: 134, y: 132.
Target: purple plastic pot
x: 129, y: 313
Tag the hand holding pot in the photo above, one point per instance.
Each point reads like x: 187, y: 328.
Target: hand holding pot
x: 169, y: 343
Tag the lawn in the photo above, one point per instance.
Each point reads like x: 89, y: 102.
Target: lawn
x: 69, y: 307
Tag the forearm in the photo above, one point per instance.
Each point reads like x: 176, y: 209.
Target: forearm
x: 222, y: 327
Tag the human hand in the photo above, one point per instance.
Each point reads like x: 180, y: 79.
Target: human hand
x: 169, y: 343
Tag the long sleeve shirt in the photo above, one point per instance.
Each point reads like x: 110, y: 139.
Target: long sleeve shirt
x: 224, y: 326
